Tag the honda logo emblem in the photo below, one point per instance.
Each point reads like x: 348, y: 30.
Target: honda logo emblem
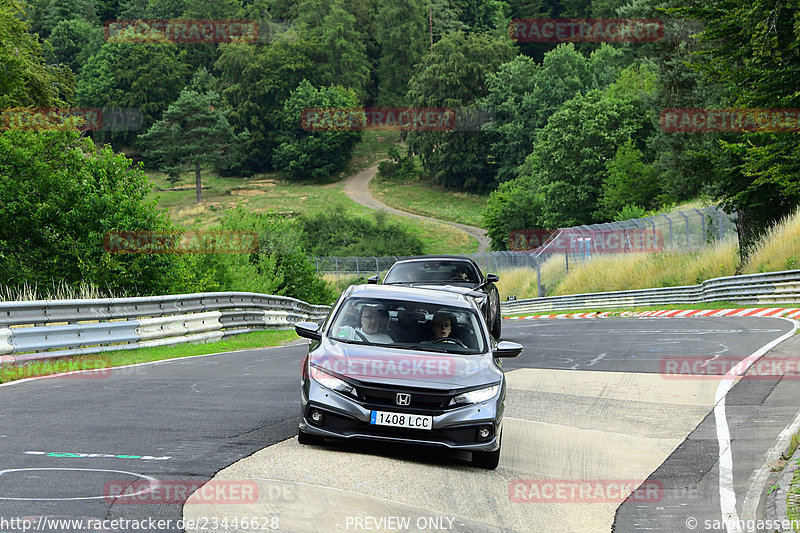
x: 403, y: 398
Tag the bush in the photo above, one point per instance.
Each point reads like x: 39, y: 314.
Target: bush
x: 400, y: 168
x: 59, y: 198
x: 279, y: 266
x: 339, y: 233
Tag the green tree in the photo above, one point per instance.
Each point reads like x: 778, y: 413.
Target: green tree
x: 314, y: 154
x: 219, y: 9
x: 73, y: 42
x: 522, y: 96
x: 25, y: 79
x: 193, y: 133
x: 454, y: 76
x: 568, y: 163
x: 443, y: 16
x: 344, y: 54
x: 255, y: 81
x: 58, y: 10
x: 629, y: 180
x: 752, y: 46
x: 514, y: 205
x: 485, y: 15
x: 144, y: 76
x: 682, y: 159
x: 401, y: 34
x: 60, y: 198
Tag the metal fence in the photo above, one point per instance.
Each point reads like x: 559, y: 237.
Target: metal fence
x: 768, y: 289
x: 678, y: 231
x: 368, y: 266
x: 46, y: 329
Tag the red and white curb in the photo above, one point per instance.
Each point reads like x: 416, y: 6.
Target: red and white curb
x: 791, y: 312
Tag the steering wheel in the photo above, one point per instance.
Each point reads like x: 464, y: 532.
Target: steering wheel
x: 450, y: 340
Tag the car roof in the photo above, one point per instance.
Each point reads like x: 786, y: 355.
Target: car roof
x: 413, y: 294
x: 436, y: 258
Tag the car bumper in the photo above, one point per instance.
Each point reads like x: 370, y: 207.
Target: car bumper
x: 345, y: 418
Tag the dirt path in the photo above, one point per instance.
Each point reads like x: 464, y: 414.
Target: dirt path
x: 357, y: 188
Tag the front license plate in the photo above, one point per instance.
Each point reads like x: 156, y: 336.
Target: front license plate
x: 401, y: 420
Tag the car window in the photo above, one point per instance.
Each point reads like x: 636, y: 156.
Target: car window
x: 418, y: 326
x: 432, y: 272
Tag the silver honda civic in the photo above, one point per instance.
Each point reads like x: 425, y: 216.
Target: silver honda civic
x: 405, y: 364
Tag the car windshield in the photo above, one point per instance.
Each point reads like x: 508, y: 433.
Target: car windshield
x: 432, y: 272
x: 413, y: 325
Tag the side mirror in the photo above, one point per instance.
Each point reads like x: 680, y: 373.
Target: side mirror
x: 507, y: 349
x: 373, y: 279
x: 490, y: 278
x: 308, y: 330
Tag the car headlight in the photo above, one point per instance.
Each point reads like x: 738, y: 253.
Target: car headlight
x: 330, y: 381
x: 475, y: 396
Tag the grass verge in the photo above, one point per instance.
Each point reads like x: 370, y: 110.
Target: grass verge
x: 257, y: 339
x: 779, y: 249
x: 430, y: 200
x: 793, y: 499
x: 643, y: 271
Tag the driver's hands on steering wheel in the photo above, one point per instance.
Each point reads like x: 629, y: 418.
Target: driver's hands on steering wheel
x: 451, y: 340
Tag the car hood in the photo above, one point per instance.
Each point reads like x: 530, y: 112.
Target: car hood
x: 404, y: 367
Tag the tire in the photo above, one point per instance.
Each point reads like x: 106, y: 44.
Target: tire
x: 307, y: 438
x: 487, y: 460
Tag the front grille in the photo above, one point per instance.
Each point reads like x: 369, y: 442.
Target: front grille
x: 423, y: 401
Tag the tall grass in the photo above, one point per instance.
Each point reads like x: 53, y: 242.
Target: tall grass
x: 519, y: 282
x: 642, y: 271
x: 55, y: 291
x: 339, y: 282
x: 779, y: 249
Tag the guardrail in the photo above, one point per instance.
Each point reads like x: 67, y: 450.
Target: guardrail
x: 45, y: 329
x: 752, y: 289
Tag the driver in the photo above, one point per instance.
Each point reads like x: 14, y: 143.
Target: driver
x: 442, y: 325
x: 372, y: 319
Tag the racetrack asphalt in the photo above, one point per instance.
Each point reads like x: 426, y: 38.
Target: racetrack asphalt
x: 586, y: 401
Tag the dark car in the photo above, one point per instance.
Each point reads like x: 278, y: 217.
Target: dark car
x: 452, y: 271
x: 405, y: 364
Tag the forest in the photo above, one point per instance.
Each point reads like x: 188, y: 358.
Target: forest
x: 571, y: 132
